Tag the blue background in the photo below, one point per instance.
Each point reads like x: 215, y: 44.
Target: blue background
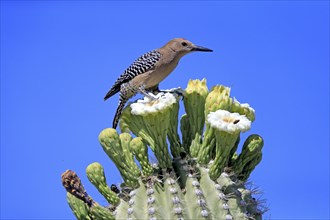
x: 58, y: 59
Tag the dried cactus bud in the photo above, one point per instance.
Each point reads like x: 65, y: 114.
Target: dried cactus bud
x: 73, y: 185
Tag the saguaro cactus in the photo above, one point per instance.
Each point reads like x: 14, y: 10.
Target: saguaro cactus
x: 200, y: 177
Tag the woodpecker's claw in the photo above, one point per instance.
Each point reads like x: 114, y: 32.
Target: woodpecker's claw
x: 151, y: 96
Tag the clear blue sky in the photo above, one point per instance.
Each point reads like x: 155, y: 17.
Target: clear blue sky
x: 59, y: 58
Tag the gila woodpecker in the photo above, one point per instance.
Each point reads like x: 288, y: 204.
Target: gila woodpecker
x: 145, y: 73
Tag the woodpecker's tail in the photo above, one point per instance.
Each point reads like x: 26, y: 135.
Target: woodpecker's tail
x: 112, y: 91
x: 120, y: 107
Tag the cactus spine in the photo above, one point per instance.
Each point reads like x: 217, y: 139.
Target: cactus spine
x: 200, y: 177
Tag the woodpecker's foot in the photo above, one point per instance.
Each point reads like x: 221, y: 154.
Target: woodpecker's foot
x: 151, y: 96
x: 148, y: 94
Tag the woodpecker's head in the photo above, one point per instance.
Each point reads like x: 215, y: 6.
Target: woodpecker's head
x: 183, y: 46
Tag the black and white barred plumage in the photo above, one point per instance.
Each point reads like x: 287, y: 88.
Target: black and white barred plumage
x: 143, y: 64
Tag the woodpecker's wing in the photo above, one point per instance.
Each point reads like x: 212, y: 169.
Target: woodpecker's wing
x: 143, y: 64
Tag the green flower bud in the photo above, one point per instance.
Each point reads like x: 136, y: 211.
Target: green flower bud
x: 140, y: 152
x: 117, y: 148
x: 217, y: 99
x: 249, y: 158
x: 95, y: 174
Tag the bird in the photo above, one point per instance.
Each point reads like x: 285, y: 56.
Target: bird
x: 146, y: 72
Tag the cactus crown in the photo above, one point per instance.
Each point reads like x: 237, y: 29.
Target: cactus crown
x: 198, y: 176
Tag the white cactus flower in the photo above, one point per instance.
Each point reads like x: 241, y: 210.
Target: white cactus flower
x: 146, y: 106
x: 229, y: 122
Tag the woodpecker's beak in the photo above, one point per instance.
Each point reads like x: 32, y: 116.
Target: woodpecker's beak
x: 199, y: 48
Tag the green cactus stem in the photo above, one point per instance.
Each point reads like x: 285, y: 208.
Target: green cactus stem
x: 149, y: 120
x: 140, y: 151
x: 79, y: 207
x: 194, y: 100
x: 224, y: 144
x: 199, y: 177
x: 227, y: 128
x: 95, y: 174
x: 172, y: 133
x: 218, y: 98
x: 101, y: 213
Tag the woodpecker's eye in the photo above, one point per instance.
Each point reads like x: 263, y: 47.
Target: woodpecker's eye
x: 184, y: 44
